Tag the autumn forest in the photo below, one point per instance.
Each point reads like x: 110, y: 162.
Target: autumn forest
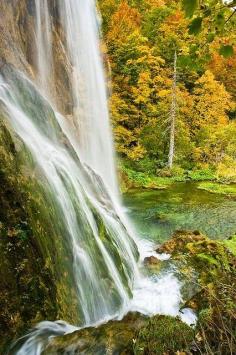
x: 142, y: 38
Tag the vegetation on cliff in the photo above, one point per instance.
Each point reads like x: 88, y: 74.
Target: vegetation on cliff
x: 34, y: 285
x: 25, y: 295
x: 215, y: 264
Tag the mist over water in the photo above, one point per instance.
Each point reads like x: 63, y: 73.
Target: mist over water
x: 79, y: 171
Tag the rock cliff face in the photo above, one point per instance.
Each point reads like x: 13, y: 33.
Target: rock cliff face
x: 18, y: 45
x: 31, y: 287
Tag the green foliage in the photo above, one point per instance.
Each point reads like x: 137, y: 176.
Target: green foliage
x: 202, y: 174
x: 210, y: 37
x: 139, y: 179
x: 216, y: 17
x: 227, y: 51
x: 195, y: 26
x: 176, y: 173
x: 189, y: 7
x: 145, y: 173
x: 231, y: 244
x: 208, y: 259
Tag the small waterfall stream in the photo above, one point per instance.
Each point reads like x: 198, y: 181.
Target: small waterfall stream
x: 43, y: 36
x: 79, y: 171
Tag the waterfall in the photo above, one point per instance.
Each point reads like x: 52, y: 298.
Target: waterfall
x: 43, y: 35
x: 77, y: 169
x: 81, y: 26
x: 82, y: 199
x: 80, y: 177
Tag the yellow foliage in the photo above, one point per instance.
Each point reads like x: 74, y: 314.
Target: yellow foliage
x: 136, y: 152
x: 143, y: 90
x: 119, y: 108
x: 155, y: 3
x: 164, y: 93
x: 123, y: 139
x: 227, y: 169
x: 211, y: 101
x: 141, y: 37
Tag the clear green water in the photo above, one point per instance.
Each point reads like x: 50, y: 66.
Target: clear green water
x: 158, y: 213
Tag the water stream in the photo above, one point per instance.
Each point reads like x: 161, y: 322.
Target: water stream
x: 158, y: 213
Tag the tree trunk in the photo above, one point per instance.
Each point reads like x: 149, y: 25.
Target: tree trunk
x: 173, y: 117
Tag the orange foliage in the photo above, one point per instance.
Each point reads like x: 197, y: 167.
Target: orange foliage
x: 124, y: 21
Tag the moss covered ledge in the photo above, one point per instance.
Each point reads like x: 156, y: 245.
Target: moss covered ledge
x: 25, y: 295
x: 214, y: 263
x: 134, y: 334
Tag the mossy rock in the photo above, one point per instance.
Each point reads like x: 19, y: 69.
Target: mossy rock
x: 135, y: 334
x: 198, y: 251
x: 114, y: 337
x: 25, y: 295
x: 31, y: 288
x: 214, y: 264
x: 152, y: 261
x: 178, y: 241
x: 164, y: 335
x: 218, y: 188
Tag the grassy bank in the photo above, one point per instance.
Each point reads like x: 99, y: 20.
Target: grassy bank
x: 218, y: 188
x: 207, y: 178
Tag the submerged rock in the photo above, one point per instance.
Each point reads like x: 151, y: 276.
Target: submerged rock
x: 151, y: 260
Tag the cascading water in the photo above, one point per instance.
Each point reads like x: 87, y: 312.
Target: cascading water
x: 43, y: 34
x: 80, y: 196
x: 80, y: 22
x: 78, y: 170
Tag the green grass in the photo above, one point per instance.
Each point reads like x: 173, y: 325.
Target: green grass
x: 165, y: 178
x: 201, y: 175
x: 218, y: 188
x: 231, y: 244
x: 147, y: 176
x: 139, y: 179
